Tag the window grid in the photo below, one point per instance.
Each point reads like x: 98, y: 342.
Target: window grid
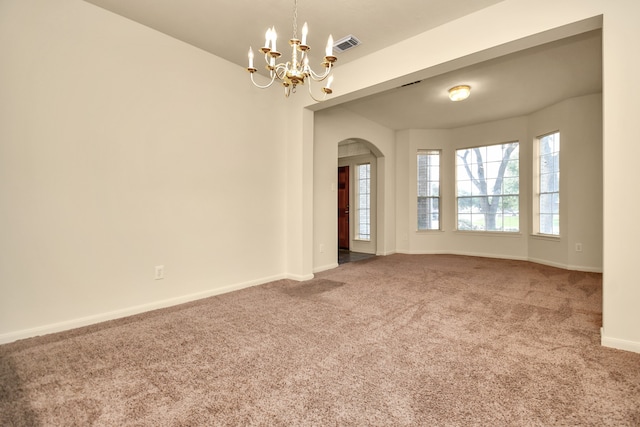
x: 488, y: 188
x: 549, y: 184
x: 428, y: 190
x: 363, y: 213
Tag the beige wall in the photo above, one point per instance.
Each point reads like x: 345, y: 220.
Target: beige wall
x: 580, y: 122
x: 621, y: 108
x: 122, y: 149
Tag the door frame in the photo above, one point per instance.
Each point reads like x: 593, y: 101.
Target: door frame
x: 343, y: 208
x: 355, y: 244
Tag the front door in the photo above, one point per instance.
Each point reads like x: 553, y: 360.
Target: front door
x: 343, y: 207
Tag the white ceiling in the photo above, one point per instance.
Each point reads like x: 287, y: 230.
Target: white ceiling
x: 508, y: 86
x: 504, y: 87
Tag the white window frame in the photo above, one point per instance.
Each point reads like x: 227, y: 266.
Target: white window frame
x: 363, y: 203
x: 426, y: 186
x: 538, y: 193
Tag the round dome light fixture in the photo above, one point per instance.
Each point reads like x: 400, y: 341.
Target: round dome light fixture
x: 459, y: 93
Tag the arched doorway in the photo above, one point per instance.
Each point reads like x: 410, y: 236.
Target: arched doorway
x: 357, y: 178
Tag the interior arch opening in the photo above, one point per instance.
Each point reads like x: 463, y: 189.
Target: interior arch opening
x: 357, y: 200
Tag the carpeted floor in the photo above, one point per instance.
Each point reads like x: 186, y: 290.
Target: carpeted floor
x: 432, y: 340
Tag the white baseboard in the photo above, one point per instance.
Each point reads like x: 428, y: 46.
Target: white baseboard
x: 503, y: 256
x: 620, y: 344
x: 409, y: 252
x: 585, y: 268
x: 129, y: 311
x: 325, y: 267
x: 464, y: 253
x: 567, y: 266
x: 385, y: 253
x: 549, y: 263
x: 298, y: 277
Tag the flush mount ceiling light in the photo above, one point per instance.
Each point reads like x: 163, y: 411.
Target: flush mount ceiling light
x: 294, y: 72
x: 459, y: 93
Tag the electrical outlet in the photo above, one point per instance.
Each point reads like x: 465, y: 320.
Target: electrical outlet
x: 578, y: 247
x: 321, y: 248
x: 159, y: 272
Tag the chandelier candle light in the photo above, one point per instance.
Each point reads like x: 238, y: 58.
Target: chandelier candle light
x: 295, y: 72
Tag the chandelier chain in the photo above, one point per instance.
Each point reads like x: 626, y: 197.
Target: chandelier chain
x: 295, y: 19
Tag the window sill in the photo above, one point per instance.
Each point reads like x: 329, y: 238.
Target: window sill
x: 489, y: 233
x: 547, y: 237
x: 429, y: 231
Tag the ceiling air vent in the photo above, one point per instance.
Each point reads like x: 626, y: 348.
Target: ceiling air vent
x: 346, y: 43
x: 412, y: 83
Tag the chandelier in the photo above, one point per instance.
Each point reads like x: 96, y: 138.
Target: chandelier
x: 296, y: 71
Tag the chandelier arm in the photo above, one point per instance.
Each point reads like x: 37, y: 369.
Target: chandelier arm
x: 273, y: 78
x: 267, y: 59
x: 281, y: 70
x: 313, y: 97
x: 320, y: 77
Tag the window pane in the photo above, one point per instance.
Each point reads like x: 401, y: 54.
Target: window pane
x: 546, y: 183
x: 464, y: 222
x: 511, y: 186
x: 513, y: 168
x: 464, y: 204
x: 550, y: 224
x: 464, y: 188
x: 546, y: 203
x: 511, y: 222
x: 511, y: 205
x: 492, y: 170
x: 478, y: 204
x: 477, y: 222
x: 423, y: 213
x: 461, y: 172
x: 494, y: 154
x: 546, y: 164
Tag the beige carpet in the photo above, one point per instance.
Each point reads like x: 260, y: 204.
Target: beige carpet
x: 391, y: 341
